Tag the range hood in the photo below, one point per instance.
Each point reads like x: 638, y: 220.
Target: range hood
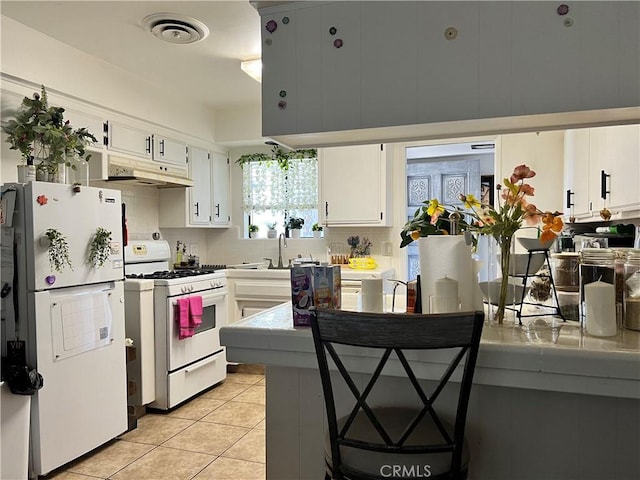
x: 144, y: 173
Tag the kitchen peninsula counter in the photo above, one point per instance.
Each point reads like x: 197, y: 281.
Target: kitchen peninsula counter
x: 573, y: 405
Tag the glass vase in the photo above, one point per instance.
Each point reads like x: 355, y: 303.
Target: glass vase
x: 504, y: 243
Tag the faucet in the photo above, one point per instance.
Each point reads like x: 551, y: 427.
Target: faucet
x: 281, y: 237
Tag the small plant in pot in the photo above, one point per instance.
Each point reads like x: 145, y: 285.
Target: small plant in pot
x: 317, y: 230
x: 294, y: 224
x: 253, y: 231
x: 42, y: 136
x: 271, y: 229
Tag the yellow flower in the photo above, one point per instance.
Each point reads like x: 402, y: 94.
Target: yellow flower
x: 470, y: 201
x: 435, y: 208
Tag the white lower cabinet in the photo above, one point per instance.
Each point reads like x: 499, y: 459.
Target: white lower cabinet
x: 206, y: 203
x: 252, y: 291
x: 355, y: 185
x: 249, y: 296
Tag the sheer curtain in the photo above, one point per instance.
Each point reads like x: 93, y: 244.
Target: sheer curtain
x: 268, y: 187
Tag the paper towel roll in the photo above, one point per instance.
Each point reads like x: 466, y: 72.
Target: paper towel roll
x: 448, y: 255
x: 371, y: 295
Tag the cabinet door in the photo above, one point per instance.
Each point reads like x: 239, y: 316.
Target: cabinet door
x: 600, y: 162
x: 169, y: 150
x: 200, y: 193
x: 221, y: 214
x: 128, y: 139
x: 353, y: 185
x: 94, y: 124
x: 622, y: 163
x: 577, y: 168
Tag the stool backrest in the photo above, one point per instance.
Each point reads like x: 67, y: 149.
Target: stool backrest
x: 395, y: 333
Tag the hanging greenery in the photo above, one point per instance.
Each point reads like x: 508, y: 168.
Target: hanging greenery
x: 58, y: 250
x: 100, y: 248
x: 279, y: 155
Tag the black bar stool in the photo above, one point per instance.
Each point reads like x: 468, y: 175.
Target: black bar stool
x: 382, y: 442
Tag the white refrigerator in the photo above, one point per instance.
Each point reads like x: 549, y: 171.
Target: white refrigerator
x: 72, y: 320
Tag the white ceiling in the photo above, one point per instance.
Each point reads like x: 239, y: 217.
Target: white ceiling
x: 207, y: 71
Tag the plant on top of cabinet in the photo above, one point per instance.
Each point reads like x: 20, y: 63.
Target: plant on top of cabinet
x: 40, y: 131
x: 279, y: 155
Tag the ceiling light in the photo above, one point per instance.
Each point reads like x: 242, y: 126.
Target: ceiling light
x: 175, y: 28
x: 253, y: 68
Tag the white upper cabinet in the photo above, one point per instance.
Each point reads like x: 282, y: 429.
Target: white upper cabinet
x: 207, y: 202
x: 200, y: 205
x: 615, y: 168
x: 335, y: 66
x: 94, y: 124
x: 602, y: 169
x: 576, y: 173
x: 129, y: 139
x: 355, y: 185
x: 221, y: 177
x: 169, y: 150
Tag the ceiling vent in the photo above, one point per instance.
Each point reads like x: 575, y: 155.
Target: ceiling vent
x: 175, y: 28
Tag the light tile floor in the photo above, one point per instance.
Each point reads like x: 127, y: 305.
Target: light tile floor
x: 218, y: 435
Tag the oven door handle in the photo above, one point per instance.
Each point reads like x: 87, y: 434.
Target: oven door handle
x: 200, y: 365
x: 208, y: 299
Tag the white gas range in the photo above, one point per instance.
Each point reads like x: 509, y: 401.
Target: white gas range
x: 183, y: 366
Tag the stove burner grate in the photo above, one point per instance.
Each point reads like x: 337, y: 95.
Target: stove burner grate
x: 182, y: 273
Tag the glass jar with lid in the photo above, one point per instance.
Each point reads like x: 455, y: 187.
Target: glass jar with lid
x: 598, y: 292
x: 631, y: 308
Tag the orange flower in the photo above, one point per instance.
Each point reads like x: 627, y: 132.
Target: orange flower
x: 532, y: 215
x: 415, y: 235
x: 521, y: 172
x: 552, y: 223
x: 527, y: 189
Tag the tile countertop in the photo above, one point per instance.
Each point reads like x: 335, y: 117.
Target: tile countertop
x: 346, y: 273
x: 509, y: 356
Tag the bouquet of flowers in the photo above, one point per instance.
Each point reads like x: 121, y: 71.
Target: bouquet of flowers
x: 501, y: 222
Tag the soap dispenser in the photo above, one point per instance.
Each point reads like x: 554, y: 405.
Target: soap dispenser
x: 178, y: 254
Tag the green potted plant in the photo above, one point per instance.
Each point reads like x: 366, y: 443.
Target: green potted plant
x: 253, y: 230
x: 42, y: 136
x: 294, y: 224
x: 271, y: 229
x: 317, y: 230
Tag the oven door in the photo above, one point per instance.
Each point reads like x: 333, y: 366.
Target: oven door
x: 206, y: 338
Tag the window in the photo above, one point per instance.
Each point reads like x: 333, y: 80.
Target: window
x: 273, y: 192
